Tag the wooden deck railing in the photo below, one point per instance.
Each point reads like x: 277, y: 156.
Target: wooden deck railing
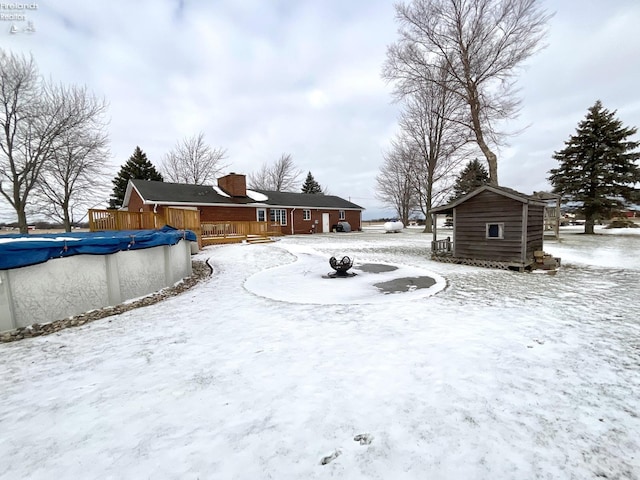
x: 184, y: 220
x: 441, y: 246
x: 212, y: 232
x: 100, y: 220
x: 235, y: 229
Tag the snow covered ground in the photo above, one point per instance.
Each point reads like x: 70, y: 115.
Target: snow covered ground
x: 501, y: 375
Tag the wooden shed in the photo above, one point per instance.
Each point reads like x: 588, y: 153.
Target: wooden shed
x: 493, y: 227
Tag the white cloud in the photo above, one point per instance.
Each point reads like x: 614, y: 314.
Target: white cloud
x: 317, y: 98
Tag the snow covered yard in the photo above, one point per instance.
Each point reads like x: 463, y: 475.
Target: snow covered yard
x: 501, y: 375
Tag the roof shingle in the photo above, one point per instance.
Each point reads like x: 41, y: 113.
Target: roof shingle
x: 166, y: 193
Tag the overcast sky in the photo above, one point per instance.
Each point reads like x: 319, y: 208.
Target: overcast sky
x: 265, y: 77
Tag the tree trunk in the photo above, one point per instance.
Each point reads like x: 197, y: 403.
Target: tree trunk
x: 428, y: 222
x: 492, y: 159
x: 22, y: 221
x: 588, y: 226
x: 66, y: 220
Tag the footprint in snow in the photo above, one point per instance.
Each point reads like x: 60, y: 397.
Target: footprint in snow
x: 330, y: 458
x: 364, y: 438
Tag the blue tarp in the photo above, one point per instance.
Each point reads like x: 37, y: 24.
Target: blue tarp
x: 27, y: 250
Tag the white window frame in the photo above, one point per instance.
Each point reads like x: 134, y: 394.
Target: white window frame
x: 278, y: 215
x: 306, y: 214
x: 500, y: 230
x: 264, y: 214
x: 341, y: 215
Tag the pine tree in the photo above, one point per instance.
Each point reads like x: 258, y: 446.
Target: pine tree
x: 311, y: 186
x: 472, y: 176
x: 598, y: 166
x: 138, y: 167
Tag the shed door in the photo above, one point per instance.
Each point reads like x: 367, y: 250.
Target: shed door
x: 325, y: 222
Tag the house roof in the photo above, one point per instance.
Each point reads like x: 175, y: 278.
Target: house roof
x: 504, y: 191
x: 206, y: 195
x: 165, y: 192
x: 290, y: 199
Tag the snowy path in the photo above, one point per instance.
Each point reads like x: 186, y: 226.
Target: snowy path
x: 501, y: 375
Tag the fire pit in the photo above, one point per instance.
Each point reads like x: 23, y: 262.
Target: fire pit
x: 341, y: 267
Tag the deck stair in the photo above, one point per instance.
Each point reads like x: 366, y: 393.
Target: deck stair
x: 259, y: 239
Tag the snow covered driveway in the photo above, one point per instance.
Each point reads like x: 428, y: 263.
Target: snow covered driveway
x: 501, y: 375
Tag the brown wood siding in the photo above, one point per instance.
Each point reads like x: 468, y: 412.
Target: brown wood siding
x: 535, y: 230
x: 471, y: 219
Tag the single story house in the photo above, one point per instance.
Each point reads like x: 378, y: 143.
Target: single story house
x: 231, y: 200
x: 492, y: 226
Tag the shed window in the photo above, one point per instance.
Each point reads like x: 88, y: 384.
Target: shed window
x: 306, y: 214
x: 278, y: 215
x: 495, y: 230
x: 341, y: 215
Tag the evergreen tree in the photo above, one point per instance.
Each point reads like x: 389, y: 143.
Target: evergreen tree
x: 472, y: 176
x: 598, y: 166
x: 311, y: 186
x: 138, y: 167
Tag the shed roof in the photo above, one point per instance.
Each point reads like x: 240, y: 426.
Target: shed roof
x: 504, y: 191
x: 206, y: 195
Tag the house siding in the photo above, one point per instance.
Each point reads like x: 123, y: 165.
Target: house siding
x: 535, y: 230
x: 249, y: 214
x: 301, y: 226
x: 227, y: 214
x: 471, y: 219
x: 136, y: 204
x: 240, y: 212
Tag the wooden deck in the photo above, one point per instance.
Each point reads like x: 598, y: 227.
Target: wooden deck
x: 182, y: 219
x: 442, y: 251
x: 442, y: 246
x: 208, y: 233
x: 220, y: 233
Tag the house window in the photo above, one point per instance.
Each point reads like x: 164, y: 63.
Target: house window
x: 278, y: 215
x: 261, y: 215
x: 306, y: 214
x: 495, y: 230
x: 341, y: 215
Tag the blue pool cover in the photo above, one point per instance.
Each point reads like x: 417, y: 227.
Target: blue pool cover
x: 23, y: 250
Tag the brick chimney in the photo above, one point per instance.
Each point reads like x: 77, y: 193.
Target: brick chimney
x: 234, y: 184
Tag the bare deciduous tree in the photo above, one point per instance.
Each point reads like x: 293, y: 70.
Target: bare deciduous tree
x: 395, y: 186
x: 482, y: 43
x: 431, y: 123
x: 33, y: 116
x: 74, y: 177
x: 193, y: 161
x: 282, y: 176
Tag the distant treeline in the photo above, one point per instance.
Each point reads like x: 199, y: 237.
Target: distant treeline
x: 418, y: 221
x: 42, y: 225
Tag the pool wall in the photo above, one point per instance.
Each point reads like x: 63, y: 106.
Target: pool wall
x: 63, y: 287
